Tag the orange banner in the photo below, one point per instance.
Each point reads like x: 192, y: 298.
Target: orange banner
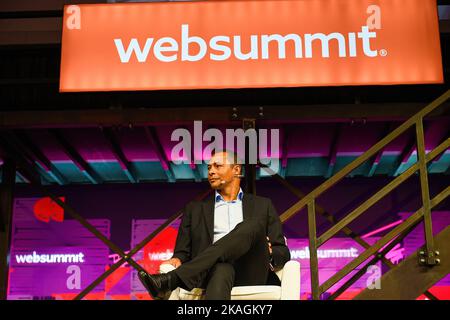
x: 243, y: 44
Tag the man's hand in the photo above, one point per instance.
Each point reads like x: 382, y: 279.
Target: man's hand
x: 270, y: 245
x: 173, y: 261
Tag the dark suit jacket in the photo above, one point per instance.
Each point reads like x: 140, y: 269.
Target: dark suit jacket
x: 197, y: 227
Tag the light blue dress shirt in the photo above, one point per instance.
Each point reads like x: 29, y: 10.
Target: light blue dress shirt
x: 227, y: 214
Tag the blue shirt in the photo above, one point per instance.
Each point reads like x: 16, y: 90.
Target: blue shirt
x: 227, y: 214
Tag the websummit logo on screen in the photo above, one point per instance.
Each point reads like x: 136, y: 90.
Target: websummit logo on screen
x: 243, y: 44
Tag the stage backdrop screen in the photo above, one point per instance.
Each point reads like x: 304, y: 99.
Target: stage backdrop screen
x: 249, y: 44
x: 54, y: 257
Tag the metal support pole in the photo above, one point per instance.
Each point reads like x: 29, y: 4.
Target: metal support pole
x: 313, y: 261
x: 6, y: 206
x: 428, y: 256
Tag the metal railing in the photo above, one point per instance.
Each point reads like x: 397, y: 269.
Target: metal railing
x: 423, y: 214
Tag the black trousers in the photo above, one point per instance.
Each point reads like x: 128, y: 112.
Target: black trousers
x: 241, y: 258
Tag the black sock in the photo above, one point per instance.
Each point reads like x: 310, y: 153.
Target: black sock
x: 174, y: 280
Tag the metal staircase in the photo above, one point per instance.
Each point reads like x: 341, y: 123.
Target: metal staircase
x: 415, y: 275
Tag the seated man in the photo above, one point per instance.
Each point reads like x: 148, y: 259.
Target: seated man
x: 232, y: 239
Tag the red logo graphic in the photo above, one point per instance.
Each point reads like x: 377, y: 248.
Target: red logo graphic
x: 46, y: 209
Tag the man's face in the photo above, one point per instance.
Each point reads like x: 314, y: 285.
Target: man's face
x: 221, y: 171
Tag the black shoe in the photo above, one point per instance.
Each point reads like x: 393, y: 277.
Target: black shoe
x: 157, y: 285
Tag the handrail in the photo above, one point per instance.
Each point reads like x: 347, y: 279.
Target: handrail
x: 424, y: 213
x: 383, y: 241
x: 364, y: 157
x: 380, y: 255
x: 380, y: 194
x: 347, y: 231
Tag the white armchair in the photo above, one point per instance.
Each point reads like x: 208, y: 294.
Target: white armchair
x: 289, y: 289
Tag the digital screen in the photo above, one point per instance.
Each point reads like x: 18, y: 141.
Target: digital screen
x: 54, y: 257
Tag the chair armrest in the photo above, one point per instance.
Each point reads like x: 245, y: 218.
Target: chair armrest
x: 290, y: 281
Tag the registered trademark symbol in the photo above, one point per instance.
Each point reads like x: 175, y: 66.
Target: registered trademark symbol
x: 383, y: 52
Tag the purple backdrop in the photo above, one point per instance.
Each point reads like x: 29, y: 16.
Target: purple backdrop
x: 50, y: 259
x: 127, y: 213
